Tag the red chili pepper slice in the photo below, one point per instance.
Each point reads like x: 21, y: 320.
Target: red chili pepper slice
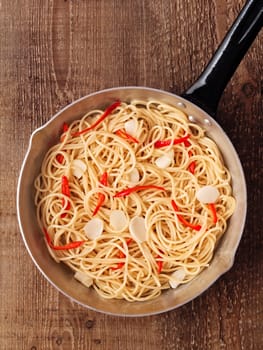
x: 212, y: 207
x: 129, y: 190
x: 65, y: 186
x: 60, y: 158
x: 65, y: 190
x: 187, y: 143
x: 164, y: 143
x: 102, y: 117
x: 104, y: 179
x: 126, y: 136
x: 65, y: 127
x: 192, y: 167
x: 68, y: 246
x: 182, y: 219
x: 119, y: 266
x: 101, y: 199
x: 159, y: 264
x: 121, y: 256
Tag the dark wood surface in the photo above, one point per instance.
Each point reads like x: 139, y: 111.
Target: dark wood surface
x: 55, y: 51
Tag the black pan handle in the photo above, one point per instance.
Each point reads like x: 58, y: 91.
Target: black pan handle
x: 208, y: 88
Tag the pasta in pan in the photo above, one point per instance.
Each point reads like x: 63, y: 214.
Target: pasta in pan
x: 134, y: 199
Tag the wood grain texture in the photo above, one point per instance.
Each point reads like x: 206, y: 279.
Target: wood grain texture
x: 55, y: 51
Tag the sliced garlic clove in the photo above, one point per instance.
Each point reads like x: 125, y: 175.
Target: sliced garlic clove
x: 137, y: 229
x: 207, y: 194
x: 83, y: 278
x: 78, y: 167
x: 163, y: 161
x: 118, y: 220
x: 131, y: 127
x: 134, y: 176
x: 94, y: 228
x: 177, y: 277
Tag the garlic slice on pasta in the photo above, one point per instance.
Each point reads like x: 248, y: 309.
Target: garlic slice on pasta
x: 118, y: 220
x: 83, y: 278
x: 176, y: 278
x: 207, y: 194
x: 165, y: 160
x: 137, y: 229
x: 78, y: 167
x: 130, y: 127
x: 134, y: 176
x: 94, y: 228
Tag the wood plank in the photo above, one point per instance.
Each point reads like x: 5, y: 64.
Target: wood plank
x: 53, y: 52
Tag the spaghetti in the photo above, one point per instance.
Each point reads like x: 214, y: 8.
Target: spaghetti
x: 123, y: 184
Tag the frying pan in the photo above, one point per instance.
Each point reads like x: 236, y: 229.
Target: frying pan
x: 199, y: 102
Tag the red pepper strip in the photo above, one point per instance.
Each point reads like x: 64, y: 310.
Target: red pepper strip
x: 129, y: 190
x: 104, y: 179
x: 164, y: 143
x: 100, y: 202
x: 119, y: 266
x: 101, y: 199
x: 65, y: 190
x: 212, y: 207
x: 192, y: 167
x: 60, y: 158
x: 121, y: 256
x: 65, y: 186
x: 187, y: 143
x: 126, y: 136
x: 182, y: 219
x: 159, y: 264
x: 104, y: 115
x: 64, y: 129
x: 71, y: 245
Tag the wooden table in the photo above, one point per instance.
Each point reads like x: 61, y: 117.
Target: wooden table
x: 55, y: 51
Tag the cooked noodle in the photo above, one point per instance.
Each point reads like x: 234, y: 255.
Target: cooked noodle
x: 177, y: 246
